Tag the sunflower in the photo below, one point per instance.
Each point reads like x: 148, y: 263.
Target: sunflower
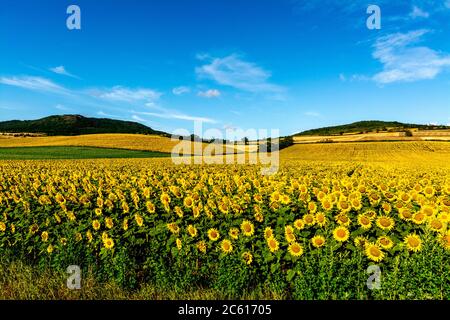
x: 290, y: 237
x: 364, y: 221
x: 89, y: 236
x: 247, y: 257
x: 226, y: 246
x: 419, y: 217
x: 312, y: 207
x: 173, y: 227
x: 268, y: 232
x: 285, y: 199
x: 108, y: 243
x: 272, y: 244
x: 109, y: 223
x: 385, y: 242
x: 299, y: 224
x: 188, y: 202
x: 327, y: 204
x: 428, y: 210
x: 387, y: 208
x: 44, y: 236
x: 201, y: 246
x: 139, y: 220
x: 213, y: 234
x: 428, y: 191
x: 247, y: 228
x: 192, y: 230
x: 341, y: 234
x: 50, y: 249
x: 2, y: 226
x: 437, y: 225
x: 223, y: 207
x: 343, y: 219
x: 343, y: 206
x: 413, y: 242
x: 179, y: 243
x: 374, y: 252
x: 295, y: 249
x: 371, y: 214
x: 318, y: 241
x: 356, y: 204
x: 445, y: 240
x: 96, y: 224
x: 309, y: 219
x: 405, y: 214
x: 321, y: 219
x: 360, y: 241
x: 125, y: 224
x: 234, y: 233
x: 98, y: 211
x: 150, y: 207
x: 385, y: 223
x: 165, y: 198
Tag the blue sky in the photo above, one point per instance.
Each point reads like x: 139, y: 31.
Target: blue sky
x: 263, y: 64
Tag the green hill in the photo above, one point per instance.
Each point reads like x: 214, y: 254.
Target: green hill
x: 69, y: 125
x: 368, y: 126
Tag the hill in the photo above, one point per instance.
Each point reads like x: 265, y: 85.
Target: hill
x: 368, y: 126
x: 70, y: 125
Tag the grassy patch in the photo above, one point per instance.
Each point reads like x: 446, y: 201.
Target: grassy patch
x: 45, y: 153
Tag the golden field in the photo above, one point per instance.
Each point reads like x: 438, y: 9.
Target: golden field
x: 416, y: 135
x: 308, y: 231
x: 112, y: 140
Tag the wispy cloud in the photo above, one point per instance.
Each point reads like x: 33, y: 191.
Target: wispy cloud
x: 172, y: 114
x: 104, y: 114
x: 63, y: 108
x: 137, y: 118
x: 418, y: 13
x: 234, y: 72
x: 119, y: 93
x: 62, y: 70
x: 312, y: 114
x: 404, y: 62
x: 181, y: 90
x: 211, y: 93
x: 34, y: 83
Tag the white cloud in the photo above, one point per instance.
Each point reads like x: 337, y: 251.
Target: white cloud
x: 119, y: 93
x: 234, y: 72
x: 63, y: 107
x: 137, y: 118
x: 34, y: 83
x: 418, y: 13
x: 62, y: 70
x: 447, y: 4
x: 211, y: 93
x: 104, y: 114
x: 403, y: 62
x: 170, y: 114
x: 180, y: 90
x: 342, y: 77
x: 312, y: 114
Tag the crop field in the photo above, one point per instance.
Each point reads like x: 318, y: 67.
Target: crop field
x: 112, y: 140
x: 310, y: 231
x: 46, y: 153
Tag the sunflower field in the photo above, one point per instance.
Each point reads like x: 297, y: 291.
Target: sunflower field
x: 308, y: 232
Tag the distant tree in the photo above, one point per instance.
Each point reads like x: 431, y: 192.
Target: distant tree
x: 245, y: 140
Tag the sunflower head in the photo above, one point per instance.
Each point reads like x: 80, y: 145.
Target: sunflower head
x: 374, y: 252
x: 318, y: 241
x: 413, y: 242
x: 295, y: 249
x: 341, y: 234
